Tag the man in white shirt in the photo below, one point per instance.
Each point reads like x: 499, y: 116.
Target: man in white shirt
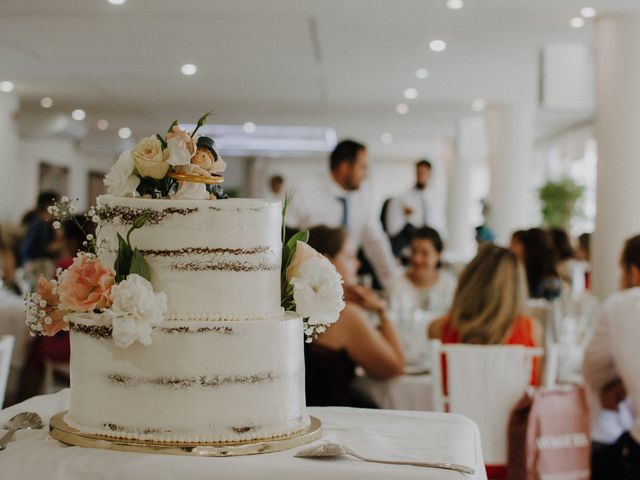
x: 276, y: 188
x: 337, y: 200
x: 612, y: 367
x: 418, y: 207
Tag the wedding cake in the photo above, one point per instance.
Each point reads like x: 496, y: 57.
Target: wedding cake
x: 186, y: 339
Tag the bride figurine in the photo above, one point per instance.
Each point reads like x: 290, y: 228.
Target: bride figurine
x: 205, y: 163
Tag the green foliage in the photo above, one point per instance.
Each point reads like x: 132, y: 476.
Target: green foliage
x: 201, y: 121
x: 155, y: 188
x: 288, y: 251
x: 130, y: 260
x: 559, y: 201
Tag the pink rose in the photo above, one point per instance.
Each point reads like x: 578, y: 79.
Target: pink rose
x: 57, y: 323
x: 45, y: 290
x: 86, y: 285
x: 53, y: 321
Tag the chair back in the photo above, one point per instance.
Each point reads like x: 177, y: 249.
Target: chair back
x: 6, y: 347
x: 484, y: 383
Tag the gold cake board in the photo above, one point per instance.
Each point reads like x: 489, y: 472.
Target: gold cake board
x: 71, y: 436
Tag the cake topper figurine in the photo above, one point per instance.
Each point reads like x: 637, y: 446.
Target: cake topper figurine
x: 204, y: 169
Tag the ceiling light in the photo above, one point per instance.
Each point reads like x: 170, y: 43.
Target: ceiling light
x: 478, y: 104
x: 6, y: 86
x: 455, y: 4
x: 117, y: 2
x: 410, y: 93
x: 588, y: 12
x: 422, y: 73
x: 577, y: 22
x: 78, y: 114
x: 124, y: 133
x: 46, y: 102
x: 249, y: 127
x: 386, y: 138
x: 188, y: 69
x: 102, y: 124
x: 437, y: 45
x: 402, y: 108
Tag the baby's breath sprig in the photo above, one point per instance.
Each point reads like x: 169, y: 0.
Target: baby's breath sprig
x: 66, y: 209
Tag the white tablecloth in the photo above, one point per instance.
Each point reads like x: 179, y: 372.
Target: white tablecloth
x: 418, y: 435
x: 12, y: 322
x: 408, y: 392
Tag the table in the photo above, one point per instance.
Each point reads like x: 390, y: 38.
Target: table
x: 424, y: 435
x: 407, y: 392
x: 12, y: 322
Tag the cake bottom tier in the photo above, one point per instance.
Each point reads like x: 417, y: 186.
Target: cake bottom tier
x: 206, y: 381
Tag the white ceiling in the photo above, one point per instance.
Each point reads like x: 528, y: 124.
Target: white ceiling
x: 330, y: 63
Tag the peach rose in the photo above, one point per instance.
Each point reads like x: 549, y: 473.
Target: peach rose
x: 303, y: 253
x: 53, y: 322
x: 45, y: 290
x: 86, y: 285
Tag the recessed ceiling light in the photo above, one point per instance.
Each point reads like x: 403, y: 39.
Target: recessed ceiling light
x: 410, y: 93
x: 437, y: 45
x: 386, y: 138
x: 402, y: 108
x: 249, y: 127
x: 188, y: 69
x: 124, y: 133
x: 478, y: 104
x: 577, y: 22
x: 422, y: 73
x: 46, y: 102
x: 6, y: 86
x: 78, y: 114
x: 117, y: 2
x: 588, y: 12
x: 102, y: 124
x: 455, y: 4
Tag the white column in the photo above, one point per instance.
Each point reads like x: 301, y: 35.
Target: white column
x: 10, y: 178
x: 618, y: 136
x: 470, y: 151
x: 511, y: 195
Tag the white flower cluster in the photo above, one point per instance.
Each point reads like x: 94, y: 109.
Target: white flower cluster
x: 121, y: 180
x: 135, y: 310
x: 317, y: 291
x: 62, y: 210
x: 35, y: 312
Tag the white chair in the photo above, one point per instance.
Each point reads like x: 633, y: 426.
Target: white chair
x: 6, y: 347
x: 484, y: 383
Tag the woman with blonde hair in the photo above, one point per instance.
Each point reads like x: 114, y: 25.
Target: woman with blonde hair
x: 488, y: 303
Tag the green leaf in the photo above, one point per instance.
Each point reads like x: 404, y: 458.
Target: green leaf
x: 287, y: 201
x: 289, y: 250
x: 139, y: 265
x: 162, y: 141
x: 173, y: 124
x: 201, y: 121
x: 122, y: 264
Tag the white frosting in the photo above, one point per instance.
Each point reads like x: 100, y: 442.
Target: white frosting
x: 208, y: 256
x: 197, y: 381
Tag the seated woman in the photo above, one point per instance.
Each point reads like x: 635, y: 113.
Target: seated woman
x: 332, y: 357
x: 535, y: 249
x: 487, y: 306
x: 425, y: 285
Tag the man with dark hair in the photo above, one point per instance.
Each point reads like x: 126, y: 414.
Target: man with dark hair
x: 337, y: 200
x: 39, y: 235
x: 418, y: 207
x: 612, y: 367
x: 276, y: 188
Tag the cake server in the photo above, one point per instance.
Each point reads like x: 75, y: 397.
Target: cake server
x: 21, y: 421
x: 328, y: 449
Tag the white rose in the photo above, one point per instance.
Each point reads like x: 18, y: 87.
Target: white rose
x: 149, y: 159
x: 317, y: 291
x: 120, y: 180
x: 303, y: 253
x: 178, y: 152
x: 135, y: 310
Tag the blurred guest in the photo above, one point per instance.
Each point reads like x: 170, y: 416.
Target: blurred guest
x: 568, y: 269
x: 484, y: 234
x: 535, y: 249
x: 583, y: 254
x: 337, y: 200
x: 611, y: 367
x: 416, y: 208
x: 7, y: 264
x: 332, y: 357
x: 488, y: 303
x: 276, y: 188
x: 40, y: 234
x: 425, y: 285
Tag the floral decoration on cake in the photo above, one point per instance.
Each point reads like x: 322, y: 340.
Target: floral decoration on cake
x: 121, y: 295
x: 311, y: 286
x: 179, y: 165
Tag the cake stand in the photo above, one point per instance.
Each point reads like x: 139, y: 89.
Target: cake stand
x: 71, y: 436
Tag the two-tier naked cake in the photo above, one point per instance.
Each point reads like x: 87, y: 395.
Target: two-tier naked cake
x: 227, y: 364
x: 187, y: 314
